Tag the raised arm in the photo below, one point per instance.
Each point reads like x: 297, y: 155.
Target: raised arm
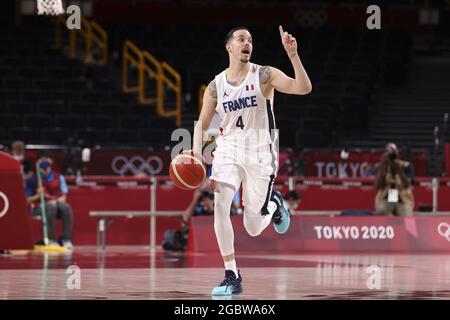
x: 280, y: 81
x: 206, y: 115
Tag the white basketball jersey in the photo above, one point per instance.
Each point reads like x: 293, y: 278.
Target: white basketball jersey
x: 247, y: 116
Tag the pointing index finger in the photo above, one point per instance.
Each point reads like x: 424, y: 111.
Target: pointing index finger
x: 281, y: 30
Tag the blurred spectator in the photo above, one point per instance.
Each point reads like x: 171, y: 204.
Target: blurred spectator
x: 202, y: 203
x: 369, y: 171
x: 18, y: 152
x: 394, y: 184
x: 55, y: 191
x: 293, y: 199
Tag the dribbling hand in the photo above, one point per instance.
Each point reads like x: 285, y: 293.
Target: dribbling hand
x: 192, y: 153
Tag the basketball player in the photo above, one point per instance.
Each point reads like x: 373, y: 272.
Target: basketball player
x: 246, y: 150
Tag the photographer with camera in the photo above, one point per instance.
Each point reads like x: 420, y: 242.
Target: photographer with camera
x: 394, y: 184
x: 202, y: 204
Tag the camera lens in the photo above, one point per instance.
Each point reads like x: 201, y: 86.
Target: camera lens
x: 392, y: 156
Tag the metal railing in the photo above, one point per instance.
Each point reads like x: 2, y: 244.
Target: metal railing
x: 131, y: 55
x: 163, y: 74
x: 100, y: 37
x: 91, y: 32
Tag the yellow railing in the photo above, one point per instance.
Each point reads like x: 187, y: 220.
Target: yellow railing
x: 131, y: 54
x: 175, y: 85
x: 151, y: 66
x: 100, y: 37
x: 92, y: 33
x: 201, y: 92
x: 146, y: 64
x: 161, y: 72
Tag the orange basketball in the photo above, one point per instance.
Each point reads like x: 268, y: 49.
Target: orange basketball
x: 187, y: 172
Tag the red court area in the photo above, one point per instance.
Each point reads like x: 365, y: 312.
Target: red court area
x: 132, y: 272
x: 325, y: 255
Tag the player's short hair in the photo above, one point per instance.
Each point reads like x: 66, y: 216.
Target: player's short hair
x: 229, y: 35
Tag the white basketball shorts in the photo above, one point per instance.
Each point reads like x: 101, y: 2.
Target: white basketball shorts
x: 255, y: 170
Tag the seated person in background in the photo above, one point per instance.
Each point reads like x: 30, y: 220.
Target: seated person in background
x: 55, y: 193
x: 369, y: 171
x: 202, y: 204
x: 18, y: 152
x: 292, y: 199
x: 394, y: 184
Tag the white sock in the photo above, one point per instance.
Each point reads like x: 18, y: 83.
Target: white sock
x: 231, y: 265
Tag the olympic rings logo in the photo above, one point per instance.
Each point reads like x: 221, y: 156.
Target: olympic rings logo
x: 313, y: 19
x: 137, y: 165
x: 444, y: 230
x: 6, y: 201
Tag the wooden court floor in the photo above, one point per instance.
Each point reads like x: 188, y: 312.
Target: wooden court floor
x: 132, y: 272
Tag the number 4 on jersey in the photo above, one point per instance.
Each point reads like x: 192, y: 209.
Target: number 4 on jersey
x: 239, y: 123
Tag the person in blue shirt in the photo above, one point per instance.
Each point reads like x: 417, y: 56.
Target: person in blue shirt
x: 55, y: 190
